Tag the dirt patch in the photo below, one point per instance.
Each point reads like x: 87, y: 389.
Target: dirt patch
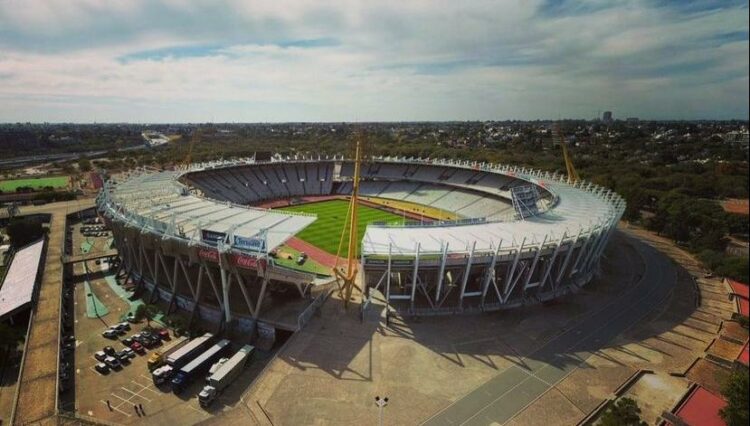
x: 709, y: 375
x: 725, y: 349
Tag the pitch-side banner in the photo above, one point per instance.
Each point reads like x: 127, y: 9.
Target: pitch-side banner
x: 250, y: 244
x: 212, y: 237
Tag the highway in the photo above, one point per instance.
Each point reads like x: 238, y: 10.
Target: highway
x: 507, y: 394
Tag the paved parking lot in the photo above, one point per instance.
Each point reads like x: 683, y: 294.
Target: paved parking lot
x: 132, y: 384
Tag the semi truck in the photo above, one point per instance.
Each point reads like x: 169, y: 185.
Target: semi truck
x: 179, y: 357
x: 225, y: 375
x: 199, y: 365
x: 183, y: 355
x: 157, y: 358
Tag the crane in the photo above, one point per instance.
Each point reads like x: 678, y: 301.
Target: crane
x: 345, y: 278
x: 197, y: 133
x: 571, y: 170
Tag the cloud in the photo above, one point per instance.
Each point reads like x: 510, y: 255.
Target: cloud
x: 235, y: 60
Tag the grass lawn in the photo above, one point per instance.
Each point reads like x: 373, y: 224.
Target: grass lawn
x: 36, y: 183
x: 326, y: 231
x: 310, y: 265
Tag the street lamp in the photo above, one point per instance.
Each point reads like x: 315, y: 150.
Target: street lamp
x: 381, y: 403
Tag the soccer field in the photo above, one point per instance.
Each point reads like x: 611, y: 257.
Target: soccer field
x: 36, y: 183
x: 325, y: 232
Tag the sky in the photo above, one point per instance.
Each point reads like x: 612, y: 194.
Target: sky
x: 381, y: 60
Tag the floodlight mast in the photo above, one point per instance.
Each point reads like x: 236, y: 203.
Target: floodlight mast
x: 346, y: 278
x: 571, y: 170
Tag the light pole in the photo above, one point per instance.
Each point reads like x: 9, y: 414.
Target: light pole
x: 381, y: 403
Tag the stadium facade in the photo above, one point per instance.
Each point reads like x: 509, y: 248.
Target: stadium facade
x: 192, y: 238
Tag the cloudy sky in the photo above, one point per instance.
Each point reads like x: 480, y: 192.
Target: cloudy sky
x: 274, y: 60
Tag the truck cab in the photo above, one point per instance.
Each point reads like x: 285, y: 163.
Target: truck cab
x: 155, y: 360
x: 161, y: 374
x: 207, y: 395
x: 179, y: 382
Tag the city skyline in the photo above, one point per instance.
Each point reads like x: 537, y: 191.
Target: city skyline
x: 170, y: 61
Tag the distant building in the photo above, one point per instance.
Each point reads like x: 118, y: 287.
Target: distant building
x: 737, y: 137
x: 632, y: 120
x: 607, y: 117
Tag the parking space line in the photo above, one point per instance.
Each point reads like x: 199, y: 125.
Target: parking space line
x: 203, y: 412
x: 125, y: 401
x: 117, y: 408
x: 147, y: 387
x: 138, y: 394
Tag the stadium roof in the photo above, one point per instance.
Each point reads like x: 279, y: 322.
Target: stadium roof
x: 158, y: 200
x: 17, y: 290
x: 577, y: 210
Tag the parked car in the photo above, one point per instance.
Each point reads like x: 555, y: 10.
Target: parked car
x: 123, y: 326
x: 123, y: 356
x: 163, y: 334
x: 137, y: 347
x: 129, y: 352
x: 112, y: 362
x: 127, y: 341
x: 109, y: 350
x: 100, y: 355
x: 149, y: 342
x: 102, y: 368
x: 110, y: 334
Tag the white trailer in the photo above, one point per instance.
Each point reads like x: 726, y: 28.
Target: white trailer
x: 225, y: 375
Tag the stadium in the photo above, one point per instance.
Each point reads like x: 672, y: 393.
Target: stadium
x: 437, y: 236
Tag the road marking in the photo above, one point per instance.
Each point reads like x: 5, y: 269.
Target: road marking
x: 125, y: 401
x: 138, y: 394
x: 147, y: 387
x: 114, y: 407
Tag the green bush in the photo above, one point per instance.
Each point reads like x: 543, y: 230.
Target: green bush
x: 735, y: 392
x: 624, y: 412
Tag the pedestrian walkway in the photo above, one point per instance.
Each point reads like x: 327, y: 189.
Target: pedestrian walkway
x: 124, y: 294
x: 94, y: 307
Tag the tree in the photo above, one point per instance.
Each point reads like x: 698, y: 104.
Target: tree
x: 84, y: 165
x: 23, y: 231
x: 140, y: 313
x: 735, y: 392
x: 150, y: 312
x: 624, y: 412
x: 10, y: 336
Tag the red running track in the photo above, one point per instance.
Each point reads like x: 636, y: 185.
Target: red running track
x: 315, y: 253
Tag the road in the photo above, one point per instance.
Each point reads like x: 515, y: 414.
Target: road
x: 36, y: 395
x: 507, y: 394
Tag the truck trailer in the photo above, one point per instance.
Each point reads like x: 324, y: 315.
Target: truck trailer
x: 184, y: 354
x: 199, y: 365
x: 225, y: 375
x: 179, y: 357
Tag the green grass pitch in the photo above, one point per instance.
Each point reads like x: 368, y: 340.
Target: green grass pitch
x: 325, y: 232
x: 36, y: 183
